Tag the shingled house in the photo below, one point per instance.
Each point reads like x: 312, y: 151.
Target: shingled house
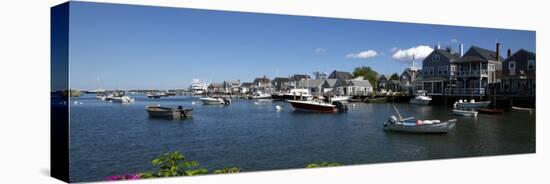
x: 436, y: 70
x: 519, y: 72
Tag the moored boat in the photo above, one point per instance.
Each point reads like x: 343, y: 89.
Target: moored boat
x: 122, y: 99
x: 293, y: 94
x: 421, y: 97
x: 376, y: 100
x: 261, y: 96
x: 413, y: 125
x: 317, y: 106
x: 490, y: 111
x: 472, y: 104
x: 156, y: 111
x: 338, y: 98
x: 530, y: 110
x: 464, y: 112
x: 215, y: 101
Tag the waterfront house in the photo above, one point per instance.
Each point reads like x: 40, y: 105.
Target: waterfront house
x: 231, y: 86
x: 330, y: 85
x: 320, y: 75
x: 344, y: 76
x: 436, y: 70
x: 296, y: 78
x: 263, y: 84
x: 382, y: 83
x: 281, y: 83
x: 216, y: 88
x: 246, y: 87
x: 407, y: 80
x: 474, y: 71
x: 356, y: 87
x: 518, y: 73
x: 314, y: 86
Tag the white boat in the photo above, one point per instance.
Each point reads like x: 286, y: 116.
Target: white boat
x: 122, y: 99
x: 261, y: 95
x: 294, y: 94
x: 421, y: 97
x: 461, y: 112
x: 156, y: 111
x: 215, y: 101
x: 472, y: 104
x: 530, y: 110
x: 413, y: 125
x: 339, y: 98
x: 198, y: 87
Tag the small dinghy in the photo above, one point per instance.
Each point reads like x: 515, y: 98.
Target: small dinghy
x: 471, y: 104
x: 525, y: 109
x: 490, y: 111
x: 413, y: 125
x: 156, y: 111
x: 215, y: 101
x: 463, y: 112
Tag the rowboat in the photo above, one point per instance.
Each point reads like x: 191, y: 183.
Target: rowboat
x: 376, y: 100
x: 472, y: 104
x: 530, y: 110
x: 215, y: 101
x: 156, y: 111
x: 461, y: 112
x: 413, y: 125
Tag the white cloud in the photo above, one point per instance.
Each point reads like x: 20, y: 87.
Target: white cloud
x: 454, y: 40
x: 363, y: 54
x: 419, y: 52
x: 394, y: 49
x: 320, y: 50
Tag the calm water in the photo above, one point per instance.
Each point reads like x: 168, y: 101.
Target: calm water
x: 109, y: 139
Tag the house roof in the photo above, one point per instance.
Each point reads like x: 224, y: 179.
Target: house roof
x: 247, y: 84
x: 340, y: 75
x: 447, y: 54
x: 311, y: 83
x: 232, y: 82
x: 476, y: 54
x: 382, y: 77
x: 330, y: 83
x: 262, y: 80
x: 522, y: 54
x: 359, y: 83
x: 281, y: 79
x: 297, y: 77
x: 216, y: 85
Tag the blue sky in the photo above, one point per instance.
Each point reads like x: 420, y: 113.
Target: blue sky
x: 143, y: 47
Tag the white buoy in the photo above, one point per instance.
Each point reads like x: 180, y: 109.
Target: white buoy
x: 80, y: 103
x: 193, y: 103
x: 256, y: 103
x: 75, y: 102
x: 278, y: 107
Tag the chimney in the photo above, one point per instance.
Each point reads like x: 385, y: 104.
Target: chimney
x: 461, y: 50
x: 438, y: 46
x: 498, y: 51
x: 509, y: 52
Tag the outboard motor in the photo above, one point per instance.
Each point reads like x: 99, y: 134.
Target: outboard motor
x: 340, y: 106
x: 226, y: 101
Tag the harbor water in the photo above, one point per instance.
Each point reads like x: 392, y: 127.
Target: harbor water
x: 111, y: 139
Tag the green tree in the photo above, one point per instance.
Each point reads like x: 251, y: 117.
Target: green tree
x: 394, y: 76
x: 323, y: 164
x: 368, y: 73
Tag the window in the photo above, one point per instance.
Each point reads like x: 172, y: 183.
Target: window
x: 531, y: 64
x: 491, y: 67
x: 512, y: 65
x: 435, y: 57
x: 453, y: 69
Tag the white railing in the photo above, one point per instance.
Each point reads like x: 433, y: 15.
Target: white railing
x: 473, y: 73
x: 465, y: 91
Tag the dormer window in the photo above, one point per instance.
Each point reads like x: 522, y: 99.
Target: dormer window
x: 435, y: 57
x: 531, y: 64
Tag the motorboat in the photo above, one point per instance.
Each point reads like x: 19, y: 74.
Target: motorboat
x: 472, y: 104
x: 215, y: 101
x: 261, y: 95
x: 413, y: 125
x: 338, y: 98
x: 293, y: 94
x: 464, y: 112
x: 122, y: 99
x: 317, y: 106
x: 421, y: 97
x: 525, y: 109
x: 156, y: 111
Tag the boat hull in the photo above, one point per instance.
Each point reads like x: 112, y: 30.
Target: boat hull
x: 443, y: 127
x: 165, y: 112
x: 312, y: 106
x: 419, y: 101
x: 470, y: 105
x: 465, y: 113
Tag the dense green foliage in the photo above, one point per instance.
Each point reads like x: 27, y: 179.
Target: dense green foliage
x: 394, y: 76
x: 368, y: 73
